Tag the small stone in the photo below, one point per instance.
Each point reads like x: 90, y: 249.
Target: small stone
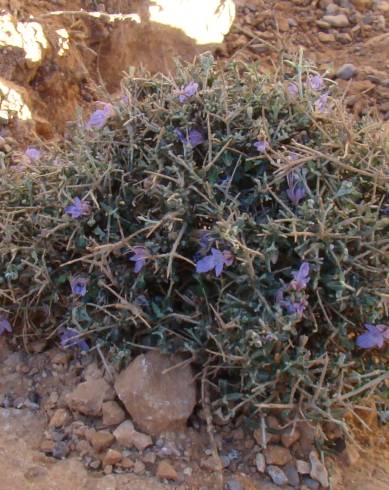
x: 323, y: 25
x: 283, y: 24
x: 165, y: 471
x: 62, y: 357
x: 149, y: 458
x: 157, y: 395
x: 113, y: 414
x: 60, y: 450
x: 233, y: 484
x: 339, y: 20
x: 303, y: 467
x: 127, y: 436
x: 318, y: 470
x: 292, y: 475
x: 290, y: 437
x: 332, y: 9
x: 362, y: 4
x: 112, y: 457
x: 325, y: 37
x: 139, y: 468
x: 47, y: 446
x: 343, y: 37
x: 101, y: 440
x: 237, y: 434
x: 277, y: 475
x: 127, y: 463
x: 310, y: 484
x: 350, y: 455
x: 260, y: 462
x: 60, y: 418
x: 277, y: 455
x: 346, y: 71
x: 88, y: 397
x: 108, y: 470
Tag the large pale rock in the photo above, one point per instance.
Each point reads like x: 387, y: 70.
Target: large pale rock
x: 157, y: 400
x: 88, y: 397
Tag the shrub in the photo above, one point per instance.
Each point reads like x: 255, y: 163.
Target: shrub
x: 237, y: 217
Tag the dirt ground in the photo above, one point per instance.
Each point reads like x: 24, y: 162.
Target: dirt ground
x: 74, y: 60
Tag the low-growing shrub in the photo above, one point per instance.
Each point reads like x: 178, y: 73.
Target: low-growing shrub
x: 237, y: 217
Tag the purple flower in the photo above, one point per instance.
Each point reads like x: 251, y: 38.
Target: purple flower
x: 140, y: 255
x: 316, y: 83
x: 301, y: 277
x: 33, y: 154
x: 296, y: 190
x: 375, y: 336
x: 78, y: 285
x: 293, y: 90
x: 261, y: 146
x: 4, y: 324
x: 69, y: 338
x: 78, y: 209
x: 217, y: 260
x: 296, y: 307
x: 188, y: 91
x: 321, y: 103
x: 99, y: 117
x: 194, y: 138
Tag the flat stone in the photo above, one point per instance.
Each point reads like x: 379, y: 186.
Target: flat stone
x: 290, y: 437
x: 346, y: 71
x: 292, y: 475
x: 303, y: 467
x: 326, y: 37
x: 260, y: 462
x: 165, y: 471
x: 127, y: 436
x: 101, y: 440
x: 112, y: 457
x: 88, y: 397
x: 277, y: 475
x: 113, y: 414
x: 339, y: 20
x: 156, y: 395
x: 318, y: 470
x: 277, y: 455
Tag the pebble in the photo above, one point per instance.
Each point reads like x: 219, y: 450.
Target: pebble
x: 113, y: 414
x: 332, y: 9
x: 310, y: 484
x: 326, y: 37
x: 165, y: 471
x: 112, y: 457
x: 318, y: 470
x: 88, y: 397
x: 127, y: 463
x: 139, y: 468
x: 340, y: 20
x: 277, y: 455
x: 343, y: 37
x: 234, y: 485
x: 127, y: 436
x: 277, y: 475
x: 101, y: 440
x: 292, y: 475
x: 362, y: 4
x: 149, y: 458
x: 60, y: 450
x: 303, y: 467
x: 290, y: 437
x: 60, y: 418
x: 260, y: 462
x: 350, y: 455
x: 346, y: 71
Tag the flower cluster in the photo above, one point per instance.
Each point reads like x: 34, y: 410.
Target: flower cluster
x: 296, y: 301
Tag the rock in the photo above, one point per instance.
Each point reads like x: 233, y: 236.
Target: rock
x: 283, y: 24
x: 350, y: 455
x: 323, y: 25
x: 277, y: 455
x: 260, y: 462
x: 346, y: 71
x: 127, y: 463
x: 339, y: 20
x: 234, y: 484
x: 112, y: 457
x: 290, y: 437
x: 325, y: 37
x: 292, y: 475
x: 60, y: 450
x: 303, y: 467
x: 277, y: 475
x: 165, y: 471
x: 343, y: 37
x: 113, y: 414
x: 310, y: 484
x: 139, y: 467
x: 60, y: 418
x: 157, y: 401
x: 362, y: 4
x: 101, y: 440
x: 127, y: 436
x: 108, y: 469
x: 318, y: 470
x: 88, y: 397
x: 260, y: 439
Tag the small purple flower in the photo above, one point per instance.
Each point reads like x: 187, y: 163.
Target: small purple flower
x: 33, y: 154
x: 205, y: 240
x: 217, y: 260
x: 375, y: 336
x: 316, y: 83
x: 301, y: 277
x: 296, y: 307
x: 69, y: 338
x: 140, y: 255
x: 99, y: 117
x: 293, y: 90
x: 261, y: 146
x: 296, y: 190
x: 79, y: 285
x: 78, y: 209
x: 4, y: 324
x: 188, y: 91
x: 321, y: 103
x: 194, y: 138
